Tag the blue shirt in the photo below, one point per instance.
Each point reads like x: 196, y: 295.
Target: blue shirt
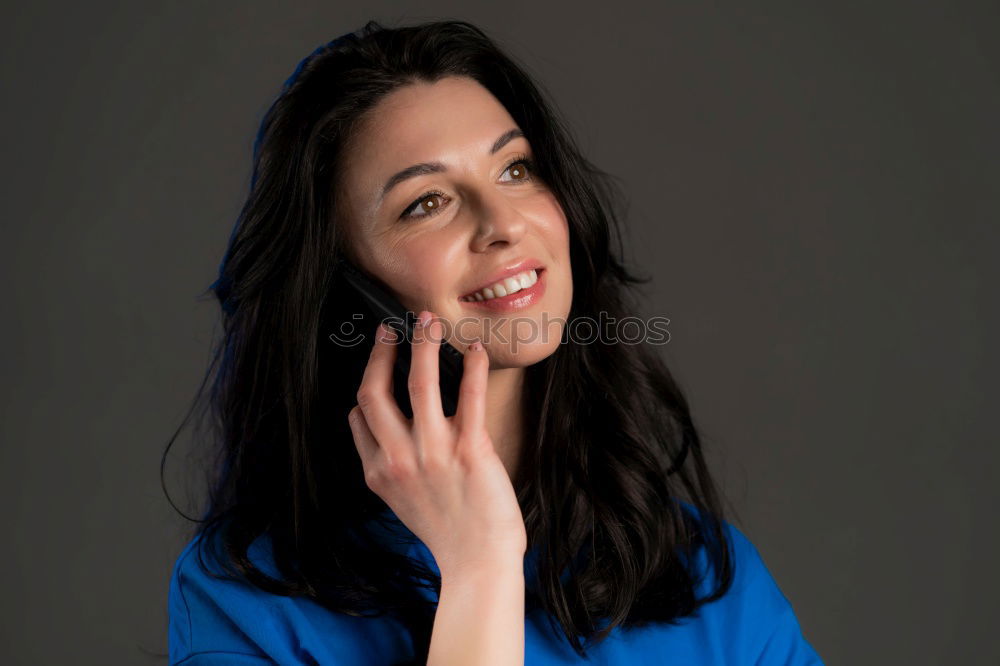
x: 214, y: 622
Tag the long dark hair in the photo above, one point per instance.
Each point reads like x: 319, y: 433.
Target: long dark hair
x: 613, y: 462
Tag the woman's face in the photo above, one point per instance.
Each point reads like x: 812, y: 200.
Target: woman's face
x: 440, y: 233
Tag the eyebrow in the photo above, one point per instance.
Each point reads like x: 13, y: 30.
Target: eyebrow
x: 425, y: 168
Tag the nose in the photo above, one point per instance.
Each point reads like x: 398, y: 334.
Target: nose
x: 498, y: 221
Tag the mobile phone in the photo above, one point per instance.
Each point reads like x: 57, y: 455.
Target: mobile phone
x: 388, y: 310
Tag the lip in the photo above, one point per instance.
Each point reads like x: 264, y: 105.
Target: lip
x: 506, y: 272
x: 519, y: 300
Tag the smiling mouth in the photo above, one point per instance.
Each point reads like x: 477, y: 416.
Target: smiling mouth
x: 506, y: 287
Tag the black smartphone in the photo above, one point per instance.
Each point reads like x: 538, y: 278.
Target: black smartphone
x: 388, y: 310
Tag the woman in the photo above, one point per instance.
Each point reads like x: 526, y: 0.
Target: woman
x: 563, y: 512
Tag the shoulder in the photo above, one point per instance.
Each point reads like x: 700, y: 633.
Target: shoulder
x: 755, y: 611
x: 205, y: 610
x: 751, y: 577
x: 217, y: 617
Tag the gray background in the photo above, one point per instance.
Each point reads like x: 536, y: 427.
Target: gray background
x: 813, y: 190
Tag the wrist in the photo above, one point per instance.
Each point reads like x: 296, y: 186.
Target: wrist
x: 476, y: 571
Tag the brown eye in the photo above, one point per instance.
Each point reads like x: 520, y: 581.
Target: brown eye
x: 429, y: 203
x: 520, y: 169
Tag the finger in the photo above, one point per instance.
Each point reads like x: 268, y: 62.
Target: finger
x: 423, y: 382
x: 387, y: 423
x: 364, y: 440
x: 471, y: 410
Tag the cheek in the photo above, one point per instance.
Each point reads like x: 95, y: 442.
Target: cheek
x: 420, y: 271
x: 556, y: 232
x: 552, y: 223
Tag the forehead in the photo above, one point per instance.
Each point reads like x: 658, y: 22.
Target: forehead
x: 454, y: 120
x: 421, y: 119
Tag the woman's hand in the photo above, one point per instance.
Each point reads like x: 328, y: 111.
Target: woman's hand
x: 440, y: 475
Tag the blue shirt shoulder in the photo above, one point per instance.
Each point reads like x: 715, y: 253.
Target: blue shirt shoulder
x: 213, y: 621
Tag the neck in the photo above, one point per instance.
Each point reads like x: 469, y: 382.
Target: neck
x: 505, y: 415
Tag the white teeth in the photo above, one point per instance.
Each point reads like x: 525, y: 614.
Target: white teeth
x: 506, y: 287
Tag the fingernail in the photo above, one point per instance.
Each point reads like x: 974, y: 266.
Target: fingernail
x: 424, y: 319
x: 476, y: 346
x: 386, y: 334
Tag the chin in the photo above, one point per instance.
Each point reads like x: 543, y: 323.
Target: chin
x: 521, y: 354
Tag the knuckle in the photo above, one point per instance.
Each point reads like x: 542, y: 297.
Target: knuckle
x: 365, y: 398
x: 418, y: 387
x: 467, y: 457
x: 373, y: 479
x: 399, y: 469
x: 471, y: 447
x: 471, y: 389
x: 433, y: 460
